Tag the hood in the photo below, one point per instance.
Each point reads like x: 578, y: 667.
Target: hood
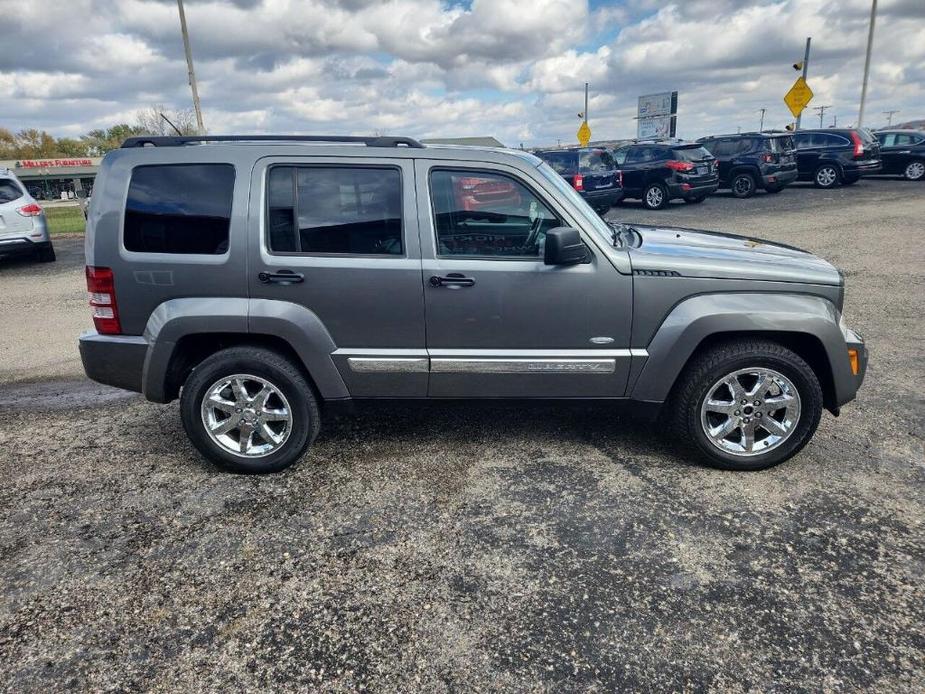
x: 696, y: 253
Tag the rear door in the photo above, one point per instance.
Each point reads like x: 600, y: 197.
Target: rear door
x: 632, y: 161
x: 889, y: 151
x: 341, y: 240
x: 807, y: 153
x: 501, y: 323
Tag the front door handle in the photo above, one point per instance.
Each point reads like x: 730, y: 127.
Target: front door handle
x: 453, y: 279
x: 281, y: 277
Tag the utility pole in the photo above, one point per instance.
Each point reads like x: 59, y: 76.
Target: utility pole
x: 805, y: 72
x: 821, y: 110
x: 870, y: 43
x: 761, y: 125
x: 189, y: 67
x: 889, y: 116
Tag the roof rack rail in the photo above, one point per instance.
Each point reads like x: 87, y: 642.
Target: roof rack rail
x: 180, y: 140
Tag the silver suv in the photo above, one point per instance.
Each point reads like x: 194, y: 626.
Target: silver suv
x: 23, y: 229
x: 261, y: 279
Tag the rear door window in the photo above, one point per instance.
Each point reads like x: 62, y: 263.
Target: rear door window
x: 179, y: 208
x: 335, y: 210
x: 779, y: 144
x: 9, y: 191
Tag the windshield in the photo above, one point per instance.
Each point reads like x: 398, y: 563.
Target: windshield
x: 596, y: 222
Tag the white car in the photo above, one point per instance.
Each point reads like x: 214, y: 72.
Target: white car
x: 23, y: 228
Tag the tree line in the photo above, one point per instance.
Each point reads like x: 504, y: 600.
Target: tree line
x: 31, y: 143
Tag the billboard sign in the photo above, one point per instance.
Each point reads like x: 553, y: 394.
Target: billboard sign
x: 656, y: 116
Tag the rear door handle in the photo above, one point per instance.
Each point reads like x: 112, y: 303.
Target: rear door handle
x: 453, y: 279
x: 281, y: 277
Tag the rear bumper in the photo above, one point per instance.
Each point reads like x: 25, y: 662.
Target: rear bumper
x: 21, y: 246
x: 114, y: 360
x: 863, y: 168
x: 779, y: 178
x: 692, y: 190
x: 599, y: 198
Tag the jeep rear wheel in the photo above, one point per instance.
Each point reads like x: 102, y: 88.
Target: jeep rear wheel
x: 249, y: 409
x: 743, y: 185
x: 746, y: 405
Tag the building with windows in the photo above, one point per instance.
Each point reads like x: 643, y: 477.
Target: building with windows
x: 52, y: 179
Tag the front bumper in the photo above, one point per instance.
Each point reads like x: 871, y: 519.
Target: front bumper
x: 114, y: 360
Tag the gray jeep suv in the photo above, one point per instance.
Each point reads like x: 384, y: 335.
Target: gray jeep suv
x: 260, y: 279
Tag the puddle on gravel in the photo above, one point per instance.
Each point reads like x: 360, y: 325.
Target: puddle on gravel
x: 60, y: 395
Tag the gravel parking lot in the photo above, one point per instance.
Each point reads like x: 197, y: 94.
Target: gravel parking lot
x: 456, y: 547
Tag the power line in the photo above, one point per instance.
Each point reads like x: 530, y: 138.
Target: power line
x: 889, y: 116
x: 821, y: 110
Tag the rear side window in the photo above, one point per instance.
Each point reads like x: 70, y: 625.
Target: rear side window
x: 9, y: 191
x: 596, y: 160
x: 779, y: 144
x: 720, y: 148
x: 179, y: 208
x: 328, y: 209
x: 561, y: 162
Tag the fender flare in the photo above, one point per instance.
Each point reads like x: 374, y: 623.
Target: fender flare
x: 296, y: 325
x: 703, y: 316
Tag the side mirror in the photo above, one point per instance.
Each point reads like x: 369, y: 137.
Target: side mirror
x: 564, y: 247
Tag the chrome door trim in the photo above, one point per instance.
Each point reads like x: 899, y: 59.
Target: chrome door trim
x: 523, y: 366
x: 368, y: 365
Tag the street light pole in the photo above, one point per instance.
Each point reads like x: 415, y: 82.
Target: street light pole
x: 189, y: 67
x: 870, y: 43
x: 805, y: 72
x: 761, y: 125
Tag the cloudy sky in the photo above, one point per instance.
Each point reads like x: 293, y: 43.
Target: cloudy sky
x: 514, y: 69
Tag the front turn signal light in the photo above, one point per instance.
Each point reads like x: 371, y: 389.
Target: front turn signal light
x: 853, y: 360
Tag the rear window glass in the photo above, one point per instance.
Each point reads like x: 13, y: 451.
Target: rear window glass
x: 331, y: 209
x: 179, y: 208
x: 9, y: 191
x: 779, y: 144
x: 692, y: 154
x: 596, y: 160
x: 866, y: 135
x: 561, y: 162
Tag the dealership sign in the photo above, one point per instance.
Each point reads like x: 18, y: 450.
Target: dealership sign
x: 657, y: 115
x: 49, y: 163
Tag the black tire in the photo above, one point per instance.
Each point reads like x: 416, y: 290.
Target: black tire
x: 706, y: 369
x: 277, y: 370
x: 914, y: 170
x: 743, y: 185
x: 655, y: 197
x: 827, y: 176
x: 46, y: 254
x: 695, y: 201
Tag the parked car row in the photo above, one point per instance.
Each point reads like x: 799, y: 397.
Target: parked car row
x: 657, y: 172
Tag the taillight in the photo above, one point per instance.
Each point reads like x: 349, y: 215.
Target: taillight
x: 102, y: 289
x: 30, y: 210
x: 578, y: 182
x: 767, y: 158
x: 858, y: 145
x: 679, y: 165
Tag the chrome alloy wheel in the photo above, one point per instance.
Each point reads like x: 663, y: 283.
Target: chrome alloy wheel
x: 826, y: 176
x: 654, y: 196
x: 915, y: 170
x: 246, y: 415
x: 750, y: 411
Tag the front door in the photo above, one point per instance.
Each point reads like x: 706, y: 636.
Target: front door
x: 341, y: 241
x: 501, y: 323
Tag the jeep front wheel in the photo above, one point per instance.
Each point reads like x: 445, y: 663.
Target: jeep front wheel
x: 747, y: 405
x: 249, y: 409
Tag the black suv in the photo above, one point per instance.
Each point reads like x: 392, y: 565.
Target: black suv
x: 658, y: 172
x: 833, y: 156
x: 591, y: 171
x: 749, y: 161
x: 903, y: 153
